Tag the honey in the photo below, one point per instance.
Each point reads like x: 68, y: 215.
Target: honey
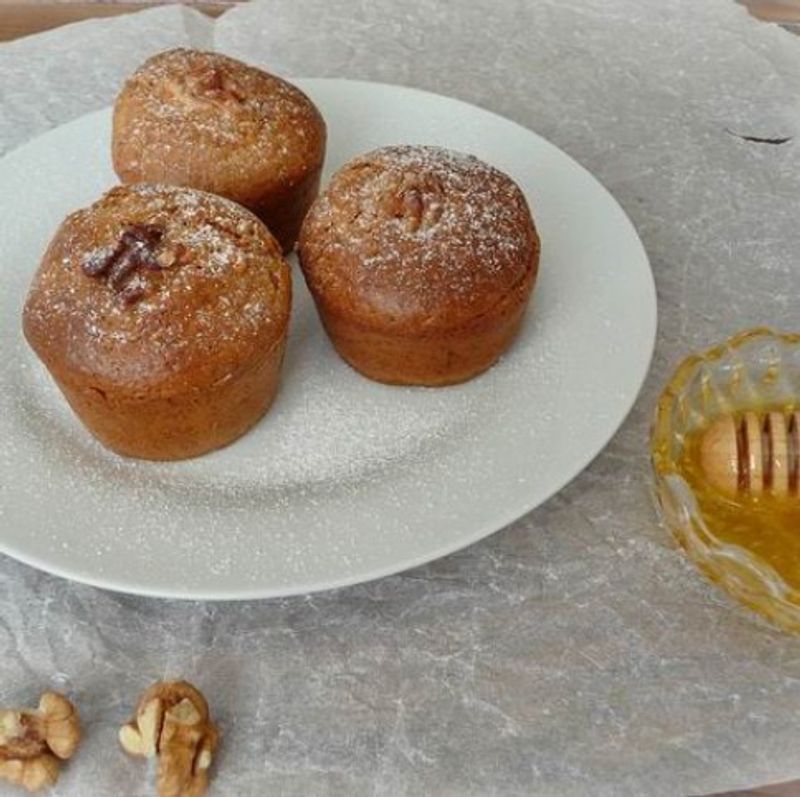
x: 726, y: 462
x: 765, y: 525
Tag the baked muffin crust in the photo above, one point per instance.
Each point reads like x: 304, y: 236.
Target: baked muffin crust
x: 158, y: 293
x: 211, y: 122
x: 414, y: 242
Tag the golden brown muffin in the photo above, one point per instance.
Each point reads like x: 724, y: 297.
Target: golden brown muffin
x: 161, y: 312
x: 421, y: 262
x: 209, y: 122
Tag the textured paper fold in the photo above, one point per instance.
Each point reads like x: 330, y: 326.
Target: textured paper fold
x: 52, y: 77
x: 575, y: 652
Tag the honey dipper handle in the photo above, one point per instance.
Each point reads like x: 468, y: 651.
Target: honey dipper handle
x: 753, y: 454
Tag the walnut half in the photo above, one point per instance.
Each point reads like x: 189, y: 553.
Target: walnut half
x: 172, y: 722
x: 33, y: 742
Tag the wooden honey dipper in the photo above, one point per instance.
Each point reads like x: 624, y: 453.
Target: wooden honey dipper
x: 753, y: 454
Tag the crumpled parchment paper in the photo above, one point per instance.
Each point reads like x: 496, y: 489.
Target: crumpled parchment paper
x: 575, y: 652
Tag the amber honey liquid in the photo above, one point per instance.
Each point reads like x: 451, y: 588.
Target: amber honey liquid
x: 765, y: 525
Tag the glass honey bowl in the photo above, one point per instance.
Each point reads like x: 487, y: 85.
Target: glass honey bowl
x: 747, y: 541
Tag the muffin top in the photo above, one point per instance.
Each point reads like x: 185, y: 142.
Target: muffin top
x: 205, y: 119
x: 158, y: 288
x: 420, y: 236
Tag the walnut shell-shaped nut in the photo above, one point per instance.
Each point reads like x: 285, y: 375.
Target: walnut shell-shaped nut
x: 172, y: 722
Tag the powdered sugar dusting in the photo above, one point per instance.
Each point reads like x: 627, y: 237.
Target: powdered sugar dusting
x: 192, y: 112
x: 342, y: 478
x: 220, y: 282
x: 406, y: 227
x: 329, y: 427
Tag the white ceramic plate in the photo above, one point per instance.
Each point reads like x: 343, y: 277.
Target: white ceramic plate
x: 345, y: 480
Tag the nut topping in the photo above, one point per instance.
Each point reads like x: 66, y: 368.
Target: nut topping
x: 415, y: 199
x: 137, y: 248
x: 122, y: 268
x: 413, y: 206
x: 211, y: 82
x: 419, y: 203
x: 97, y: 263
x: 133, y: 290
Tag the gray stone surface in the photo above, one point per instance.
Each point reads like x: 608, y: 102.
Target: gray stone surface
x: 574, y: 653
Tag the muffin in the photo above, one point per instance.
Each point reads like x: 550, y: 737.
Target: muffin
x: 421, y: 262
x: 209, y: 122
x: 161, y: 313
